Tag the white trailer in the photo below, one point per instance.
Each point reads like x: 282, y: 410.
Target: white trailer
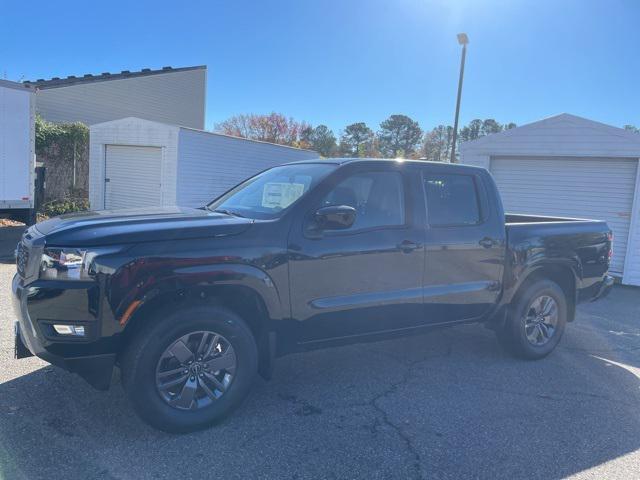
x: 141, y: 163
x: 17, y: 151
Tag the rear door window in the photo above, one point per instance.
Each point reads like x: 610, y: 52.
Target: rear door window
x: 452, y: 200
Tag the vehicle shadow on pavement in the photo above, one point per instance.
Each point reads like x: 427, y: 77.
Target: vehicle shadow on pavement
x: 449, y: 404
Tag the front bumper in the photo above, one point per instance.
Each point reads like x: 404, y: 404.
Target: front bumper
x: 93, y: 364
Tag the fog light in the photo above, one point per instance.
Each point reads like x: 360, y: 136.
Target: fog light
x: 74, y: 330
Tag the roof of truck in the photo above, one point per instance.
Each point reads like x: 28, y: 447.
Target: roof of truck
x: 344, y: 161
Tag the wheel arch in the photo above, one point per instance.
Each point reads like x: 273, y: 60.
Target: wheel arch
x: 561, y: 274
x: 247, y: 291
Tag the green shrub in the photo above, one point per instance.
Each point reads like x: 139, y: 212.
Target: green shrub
x: 65, y: 136
x: 66, y: 205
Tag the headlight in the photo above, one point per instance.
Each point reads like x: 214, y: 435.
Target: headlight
x: 69, y: 263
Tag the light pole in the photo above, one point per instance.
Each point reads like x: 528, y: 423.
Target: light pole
x: 462, y: 40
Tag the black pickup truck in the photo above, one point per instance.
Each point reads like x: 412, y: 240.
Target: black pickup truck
x: 191, y: 303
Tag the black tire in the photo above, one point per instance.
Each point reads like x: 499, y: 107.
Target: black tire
x: 513, y: 336
x: 140, y: 360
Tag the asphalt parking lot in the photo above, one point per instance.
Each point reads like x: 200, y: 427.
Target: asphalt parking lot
x: 9, y: 238
x: 449, y: 404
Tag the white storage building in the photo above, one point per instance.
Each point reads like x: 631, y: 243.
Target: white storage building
x: 140, y: 163
x: 570, y: 166
x: 169, y: 95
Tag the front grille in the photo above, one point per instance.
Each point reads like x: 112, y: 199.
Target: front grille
x: 22, y: 259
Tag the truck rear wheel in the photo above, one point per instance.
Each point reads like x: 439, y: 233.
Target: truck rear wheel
x: 536, y: 321
x: 190, y: 368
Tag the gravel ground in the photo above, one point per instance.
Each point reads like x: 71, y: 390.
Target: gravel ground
x: 9, y: 238
x: 449, y: 404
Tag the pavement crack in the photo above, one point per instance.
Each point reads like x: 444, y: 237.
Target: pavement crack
x: 406, y: 439
x: 386, y: 420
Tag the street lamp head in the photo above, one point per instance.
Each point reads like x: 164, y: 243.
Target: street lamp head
x: 463, y: 39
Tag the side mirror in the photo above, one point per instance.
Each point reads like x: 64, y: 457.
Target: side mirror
x: 335, y: 217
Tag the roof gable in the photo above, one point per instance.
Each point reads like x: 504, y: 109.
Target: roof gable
x: 563, y: 134
x: 133, y: 120
x: 15, y: 85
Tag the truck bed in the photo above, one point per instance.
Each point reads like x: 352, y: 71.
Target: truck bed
x: 524, y: 228
x: 583, y: 243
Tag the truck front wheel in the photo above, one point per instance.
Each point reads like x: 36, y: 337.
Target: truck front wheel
x: 190, y: 369
x: 536, y: 321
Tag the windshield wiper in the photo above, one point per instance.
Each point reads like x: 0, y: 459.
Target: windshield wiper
x: 228, y: 212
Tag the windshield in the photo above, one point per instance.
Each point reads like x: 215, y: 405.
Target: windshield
x: 270, y: 193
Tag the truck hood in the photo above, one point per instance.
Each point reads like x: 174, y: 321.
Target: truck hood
x: 111, y: 227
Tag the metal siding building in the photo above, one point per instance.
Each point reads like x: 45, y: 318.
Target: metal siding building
x: 137, y: 163
x: 171, y: 95
x: 570, y: 166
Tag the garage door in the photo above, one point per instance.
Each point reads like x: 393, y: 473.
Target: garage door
x: 600, y: 189
x: 132, y: 177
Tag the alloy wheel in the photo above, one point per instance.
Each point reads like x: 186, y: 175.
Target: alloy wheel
x: 196, y: 370
x: 541, y: 320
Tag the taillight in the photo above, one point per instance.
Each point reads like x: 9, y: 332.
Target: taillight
x: 610, y: 239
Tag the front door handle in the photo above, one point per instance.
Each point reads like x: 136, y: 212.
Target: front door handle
x: 487, y: 242
x: 407, y: 246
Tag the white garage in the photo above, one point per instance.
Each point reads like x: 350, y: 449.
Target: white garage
x: 141, y: 163
x: 570, y: 166
x: 132, y: 176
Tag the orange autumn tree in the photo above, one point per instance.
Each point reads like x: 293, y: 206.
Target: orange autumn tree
x: 274, y: 128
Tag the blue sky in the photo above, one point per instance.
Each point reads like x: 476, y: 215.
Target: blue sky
x: 338, y: 62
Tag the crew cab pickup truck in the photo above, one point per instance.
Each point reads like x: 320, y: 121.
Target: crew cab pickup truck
x: 190, y: 304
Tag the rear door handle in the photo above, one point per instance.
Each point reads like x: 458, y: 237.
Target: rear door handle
x: 487, y: 242
x: 407, y: 246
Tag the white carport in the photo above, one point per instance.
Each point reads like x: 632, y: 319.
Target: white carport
x: 570, y: 166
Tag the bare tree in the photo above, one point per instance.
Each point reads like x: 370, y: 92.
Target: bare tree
x: 275, y: 128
